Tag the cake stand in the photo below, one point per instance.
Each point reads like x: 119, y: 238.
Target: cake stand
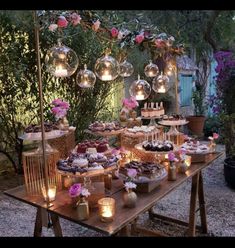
x: 152, y: 120
x: 39, y: 138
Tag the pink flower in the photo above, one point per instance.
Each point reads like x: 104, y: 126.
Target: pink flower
x: 114, y: 32
x: 131, y: 173
x: 75, y: 190
x: 57, y: 101
x: 159, y: 43
x: 62, y: 22
x: 53, y: 27
x: 171, y: 156
x: 76, y: 19
x: 215, y: 135
x: 96, y: 25
x: 64, y: 105
x: 139, y: 38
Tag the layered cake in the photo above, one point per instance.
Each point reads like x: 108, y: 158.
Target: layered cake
x: 144, y: 169
x: 174, y: 119
x: 158, y: 146
x: 140, y: 131
x: 152, y: 110
x: 34, y: 131
x: 92, y: 145
x: 80, y: 164
x: 99, y: 126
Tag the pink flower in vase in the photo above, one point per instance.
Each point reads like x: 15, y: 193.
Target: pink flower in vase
x: 139, y: 38
x: 114, y: 32
x: 75, y: 190
x: 62, y: 22
x: 171, y: 157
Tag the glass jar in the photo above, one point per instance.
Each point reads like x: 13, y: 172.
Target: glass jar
x: 129, y: 198
x: 83, y: 209
x: 172, y: 172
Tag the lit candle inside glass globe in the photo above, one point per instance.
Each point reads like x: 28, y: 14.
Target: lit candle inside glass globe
x: 86, y: 78
x: 151, y: 70
x: 160, y: 84
x: 162, y: 89
x: 106, y: 75
x: 60, y: 71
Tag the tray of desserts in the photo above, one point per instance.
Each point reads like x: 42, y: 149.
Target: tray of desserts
x: 34, y: 132
x: 87, y: 164
x: 197, y: 150
x: 156, y: 146
x: 173, y: 120
x: 149, y: 175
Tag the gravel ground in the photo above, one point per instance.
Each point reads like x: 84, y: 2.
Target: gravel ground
x: 17, y: 218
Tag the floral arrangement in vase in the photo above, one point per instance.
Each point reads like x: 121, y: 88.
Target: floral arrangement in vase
x: 59, y: 110
x: 212, y: 139
x: 128, y: 106
x: 172, y: 168
x: 76, y: 192
x: 129, y: 196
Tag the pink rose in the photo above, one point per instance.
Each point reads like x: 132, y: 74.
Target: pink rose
x: 75, y: 190
x: 76, y: 19
x: 62, y: 22
x: 139, y: 38
x: 96, y: 25
x: 114, y: 32
x: 53, y: 27
x: 131, y: 173
x: 171, y: 156
x: 215, y: 135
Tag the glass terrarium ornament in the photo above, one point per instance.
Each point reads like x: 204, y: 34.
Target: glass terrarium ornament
x: 126, y: 69
x: 140, y: 89
x: 161, y: 84
x: 86, y: 78
x: 61, y: 61
x: 151, y: 70
x: 107, y: 68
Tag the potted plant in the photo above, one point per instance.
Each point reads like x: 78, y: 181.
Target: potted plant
x: 196, y: 121
x: 223, y: 105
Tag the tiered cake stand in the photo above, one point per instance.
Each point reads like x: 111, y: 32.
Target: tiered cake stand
x: 152, y: 120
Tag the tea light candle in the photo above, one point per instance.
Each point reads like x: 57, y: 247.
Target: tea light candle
x: 161, y: 89
x: 106, y: 76
x: 60, y: 71
x: 106, y: 209
x: 188, y: 160
x: 51, y: 193
x: 139, y: 95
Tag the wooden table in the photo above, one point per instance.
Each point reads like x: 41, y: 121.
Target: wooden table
x: 125, y: 219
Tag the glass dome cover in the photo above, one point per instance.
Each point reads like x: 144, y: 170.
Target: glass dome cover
x: 140, y: 89
x: 107, y: 68
x: 86, y: 78
x: 161, y: 84
x: 151, y: 70
x: 61, y: 61
x: 126, y: 69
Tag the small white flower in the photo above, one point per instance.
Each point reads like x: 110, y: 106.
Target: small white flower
x: 130, y: 185
x: 210, y: 138
x: 53, y: 27
x: 85, y: 192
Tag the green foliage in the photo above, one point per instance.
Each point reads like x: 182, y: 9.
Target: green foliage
x: 198, y: 101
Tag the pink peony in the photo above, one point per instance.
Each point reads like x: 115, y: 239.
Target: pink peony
x: 75, y: 19
x: 96, y: 25
x: 75, y: 190
x: 131, y: 173
x: 215, y: 135
x: 53, y: 27
x: 139, y: 38
x: 62, y: 22
x: 114, y: 32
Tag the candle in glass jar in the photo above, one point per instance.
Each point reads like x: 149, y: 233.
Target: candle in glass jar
x: 106, y: 209
x: 139, y: 95
x: 51, y: 193
x: 161, y: 89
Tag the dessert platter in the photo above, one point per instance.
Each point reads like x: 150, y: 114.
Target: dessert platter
x: 157, y: 146
x: 93, y: 146
x: 173, y: 120
x: 149, y: 175
x: 197, y: 150
x: 105, y: 128
x: 87, y: 164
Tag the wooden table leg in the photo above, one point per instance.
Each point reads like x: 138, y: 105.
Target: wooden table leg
x: 202, y: 206
x: 38, y: 223
x: 193, y: 201
x: 56, y: 225
x: 125, y: 231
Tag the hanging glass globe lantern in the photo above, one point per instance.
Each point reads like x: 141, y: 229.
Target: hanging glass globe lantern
x: 107, y: 68
x: 126, y: 69
x: 169, y: 69
x: 86, y: 78
x: 161, y: 84
x: 61, y: 61
x: 151, y: 70
x: 140, y: 89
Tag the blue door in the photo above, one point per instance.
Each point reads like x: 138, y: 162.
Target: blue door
x: 186, y: 86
